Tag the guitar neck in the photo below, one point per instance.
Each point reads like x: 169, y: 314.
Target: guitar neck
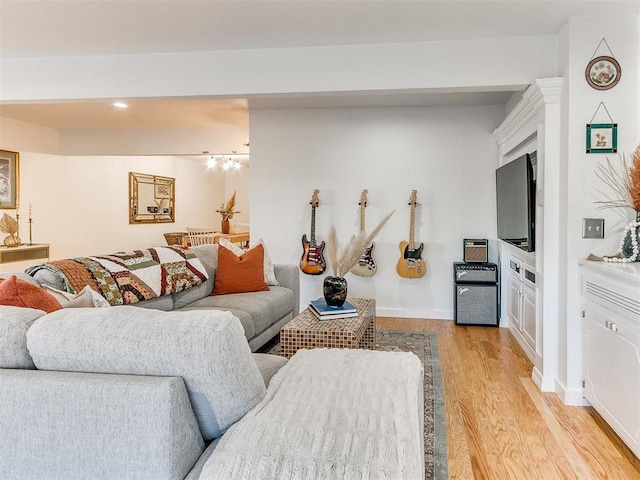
x: 362, y: 207
x: 412, y: 223
x: 313, y: 226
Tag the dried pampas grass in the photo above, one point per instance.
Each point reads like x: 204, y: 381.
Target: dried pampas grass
x: 342, y: 260
x: 624, y: 181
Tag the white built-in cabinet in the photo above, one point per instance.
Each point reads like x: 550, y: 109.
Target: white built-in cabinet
x: 611, y: 345
x: 521, y: 304
x: 531, y: 309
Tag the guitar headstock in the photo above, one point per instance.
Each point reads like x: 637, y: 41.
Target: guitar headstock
x: 413, y: 198
x: 315, y: 201
x: 363, y: 198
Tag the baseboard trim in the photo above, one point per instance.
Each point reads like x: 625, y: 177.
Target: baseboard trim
x: 408, y: 313
x: 571, y: 396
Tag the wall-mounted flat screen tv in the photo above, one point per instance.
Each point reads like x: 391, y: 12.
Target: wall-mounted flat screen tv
x: 516, y: 202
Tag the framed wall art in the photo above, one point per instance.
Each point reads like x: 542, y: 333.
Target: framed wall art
x: 602, y: 138
x: 603, y: 72
x: 9, y: 179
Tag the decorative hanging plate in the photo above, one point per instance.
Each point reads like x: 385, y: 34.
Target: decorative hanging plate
x: 603, y: 72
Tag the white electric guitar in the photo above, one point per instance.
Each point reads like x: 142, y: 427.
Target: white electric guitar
x: 366, y: 266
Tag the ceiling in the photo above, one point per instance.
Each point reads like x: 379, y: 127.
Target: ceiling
x: 46, y: 28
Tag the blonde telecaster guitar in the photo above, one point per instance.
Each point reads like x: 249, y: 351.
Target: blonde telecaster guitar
x: 366, y: 266
x: 411, y: 264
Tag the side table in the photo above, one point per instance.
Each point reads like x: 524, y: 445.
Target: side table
x: 307, y: 331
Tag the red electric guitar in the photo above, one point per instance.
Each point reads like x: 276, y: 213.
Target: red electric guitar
x: 312, y: 261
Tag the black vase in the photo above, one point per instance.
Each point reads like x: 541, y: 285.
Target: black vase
x: 335, y: 291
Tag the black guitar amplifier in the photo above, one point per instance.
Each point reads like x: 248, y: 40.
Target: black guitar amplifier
x: 476, y: 250
x: 475, y: 273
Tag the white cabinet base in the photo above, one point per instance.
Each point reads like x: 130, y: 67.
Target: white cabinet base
x: 611, y: 348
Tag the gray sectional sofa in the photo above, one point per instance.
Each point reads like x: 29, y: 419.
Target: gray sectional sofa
x: 148, y: 393
x: 262, y: 314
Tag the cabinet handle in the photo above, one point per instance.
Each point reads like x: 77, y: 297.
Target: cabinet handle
x: 611, y: 326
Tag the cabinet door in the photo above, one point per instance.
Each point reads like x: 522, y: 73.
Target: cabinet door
x: 612, y: 372
x: 528, y: 316
x: 513, y: 302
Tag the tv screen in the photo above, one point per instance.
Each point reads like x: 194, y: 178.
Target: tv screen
x: 515, y: 199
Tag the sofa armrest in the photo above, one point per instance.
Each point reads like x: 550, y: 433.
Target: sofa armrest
x: 80, y: 425
x: 289, y: 276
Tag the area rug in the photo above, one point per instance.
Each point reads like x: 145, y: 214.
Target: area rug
x: 425, y: 346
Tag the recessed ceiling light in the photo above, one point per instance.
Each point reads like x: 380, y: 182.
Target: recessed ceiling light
x: 120, y: 105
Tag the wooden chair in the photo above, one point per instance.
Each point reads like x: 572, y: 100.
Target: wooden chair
x: 202, y: 236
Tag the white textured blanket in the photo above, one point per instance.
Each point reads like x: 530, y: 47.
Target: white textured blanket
x: 331, y: 414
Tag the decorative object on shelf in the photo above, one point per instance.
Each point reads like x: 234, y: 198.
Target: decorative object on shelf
x: 602, y: 137
x: 312, y: 260
x: 9, y: 179
x: 411, y: 264
x: 30, y: 224
x: 227, y: 211
x: 334, y: 290
x: 342, y: 261
x: 10, y: 225
x: 625, y: 183
x: 603, y: 72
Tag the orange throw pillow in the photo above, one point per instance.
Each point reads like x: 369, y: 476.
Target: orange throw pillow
x: 20, y: 293
x: 240, y: 274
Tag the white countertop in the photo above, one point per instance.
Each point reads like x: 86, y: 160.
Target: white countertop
x: 624, y: 271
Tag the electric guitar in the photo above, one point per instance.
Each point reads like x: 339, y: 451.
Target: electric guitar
x: 366, y: 266
x: 312, y: 261
x: 411, y: 264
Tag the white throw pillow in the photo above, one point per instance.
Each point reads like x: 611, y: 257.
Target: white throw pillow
x: 269, y: 274
x: 87, y: 297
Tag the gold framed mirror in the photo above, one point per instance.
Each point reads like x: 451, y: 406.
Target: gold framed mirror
x: 151, y: 198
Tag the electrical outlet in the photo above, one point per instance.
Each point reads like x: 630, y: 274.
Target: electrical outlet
x: 593, y: 228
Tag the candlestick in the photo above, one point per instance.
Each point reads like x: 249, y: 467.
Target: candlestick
x: 29, y: 211
x: 30, y: 223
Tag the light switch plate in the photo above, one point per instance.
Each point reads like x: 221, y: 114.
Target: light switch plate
x: 593, y: 228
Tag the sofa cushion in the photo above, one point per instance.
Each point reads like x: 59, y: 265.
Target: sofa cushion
x: 206, y: 348
x: 208, y: 256
x: 269, y: 365
x: 269, y: 274
x: 86, y: 298
x: 245, y: 318
x: 331, y: 413
x: 66, y: 425
x: 265, y: 308
x: 240, y: 274
x: 14, y: 323
x: 20, y: 293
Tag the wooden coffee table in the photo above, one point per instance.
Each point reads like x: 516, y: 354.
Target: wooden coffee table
x: 307, y: 331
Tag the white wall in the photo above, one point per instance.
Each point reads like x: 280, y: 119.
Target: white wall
x: 447, y: 153
x: 348, y: 68
x: 580, y: 38
x: 80, y: 203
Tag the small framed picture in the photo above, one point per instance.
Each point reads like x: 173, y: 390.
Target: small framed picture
x: 9, y: 179
x: 603, y: 73
x: 602, y: 138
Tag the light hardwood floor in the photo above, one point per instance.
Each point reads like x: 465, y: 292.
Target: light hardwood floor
x: 500, y: 426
